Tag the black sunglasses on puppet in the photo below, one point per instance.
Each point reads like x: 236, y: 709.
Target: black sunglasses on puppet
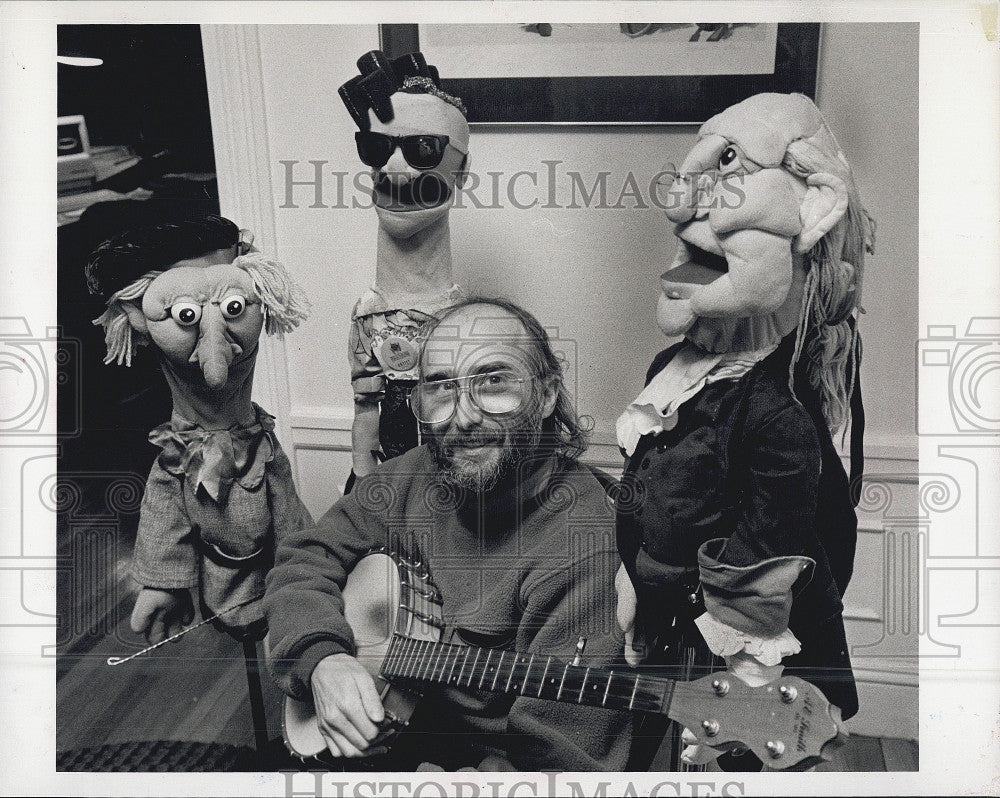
x: 418, y: 177
x: 420, y: 152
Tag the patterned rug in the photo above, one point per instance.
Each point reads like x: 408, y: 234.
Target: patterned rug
x: 174, y: 756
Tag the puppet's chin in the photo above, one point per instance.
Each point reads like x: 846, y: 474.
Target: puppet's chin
x: 408, y: 223
x: 673, y: 316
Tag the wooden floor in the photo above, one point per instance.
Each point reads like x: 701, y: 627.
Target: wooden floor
x: 195, y: 689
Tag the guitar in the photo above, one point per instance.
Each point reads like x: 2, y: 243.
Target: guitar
x: 395, y: 612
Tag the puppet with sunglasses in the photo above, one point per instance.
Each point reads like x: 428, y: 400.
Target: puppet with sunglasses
x: 415, y: 139
x: 736, y: 520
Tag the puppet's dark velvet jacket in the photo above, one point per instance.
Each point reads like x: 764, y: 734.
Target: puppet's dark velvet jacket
x: 721, y: 511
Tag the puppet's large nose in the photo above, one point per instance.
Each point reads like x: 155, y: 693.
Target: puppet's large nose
x: 691, y: 191
x: 397, y: 170
x: 215, y: 349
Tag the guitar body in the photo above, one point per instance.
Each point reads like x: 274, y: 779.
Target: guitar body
x: 384, y: 595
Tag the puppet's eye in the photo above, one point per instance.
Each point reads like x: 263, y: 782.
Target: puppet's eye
x: 729, y: 161
x: 186, y: 313
x: 233, y: 306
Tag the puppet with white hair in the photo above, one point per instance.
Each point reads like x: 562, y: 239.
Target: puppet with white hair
x: 736, y: 523
x: 220, y: 493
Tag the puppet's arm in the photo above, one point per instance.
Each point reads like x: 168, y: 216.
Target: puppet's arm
x: 368, y: 383
x: 364, y: 434
x: 165, y: 562
x: 749, y: 580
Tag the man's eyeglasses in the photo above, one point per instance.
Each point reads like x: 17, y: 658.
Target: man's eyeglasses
x: 495, y: 393
x: 421, y: 152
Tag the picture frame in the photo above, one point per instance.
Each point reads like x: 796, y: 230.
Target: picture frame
x: 597, y: 100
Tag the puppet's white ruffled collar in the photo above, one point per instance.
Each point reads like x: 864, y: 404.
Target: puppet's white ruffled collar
x: 691, y: 369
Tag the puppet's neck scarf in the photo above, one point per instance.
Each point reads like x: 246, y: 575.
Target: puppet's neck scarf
x: 215, y: 459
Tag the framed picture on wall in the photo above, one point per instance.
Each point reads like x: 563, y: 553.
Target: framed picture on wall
x: 604, y: 73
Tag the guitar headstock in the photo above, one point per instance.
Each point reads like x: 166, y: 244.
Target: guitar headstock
x: 788, y: 723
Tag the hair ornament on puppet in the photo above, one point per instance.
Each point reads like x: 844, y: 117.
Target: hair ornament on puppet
x: 828, y: 322
x: 427, y: 86
x: 381, y: 77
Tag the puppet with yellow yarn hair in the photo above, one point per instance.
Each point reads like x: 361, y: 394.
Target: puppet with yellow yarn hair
x: 220, y: 493
x: 736, y: 523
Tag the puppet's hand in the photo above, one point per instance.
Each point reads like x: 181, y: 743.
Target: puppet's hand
x: 158, y: 614
x: 750, y: 670
x: 626, y: 613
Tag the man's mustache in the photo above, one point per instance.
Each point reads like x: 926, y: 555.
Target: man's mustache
x: 471, y: 441
x: 426, y: 190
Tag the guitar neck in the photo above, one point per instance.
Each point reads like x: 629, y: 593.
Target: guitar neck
x: 531, y: 675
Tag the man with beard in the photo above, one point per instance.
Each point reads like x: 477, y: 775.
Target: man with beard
x: 415, y: 139
x: 517, y: 537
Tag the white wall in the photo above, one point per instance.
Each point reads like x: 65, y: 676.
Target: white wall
x: 592, y: 273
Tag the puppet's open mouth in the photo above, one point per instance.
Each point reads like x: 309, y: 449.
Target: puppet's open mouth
x: 425, y: 191
x: 694, y: 265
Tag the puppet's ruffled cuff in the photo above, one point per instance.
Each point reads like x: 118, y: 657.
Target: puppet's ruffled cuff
x: 755, y: 599
x: 725, y: 641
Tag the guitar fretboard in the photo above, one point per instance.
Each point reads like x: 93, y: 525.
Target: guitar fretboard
x: 535, y: 676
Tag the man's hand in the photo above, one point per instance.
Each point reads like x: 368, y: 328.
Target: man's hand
x: 159, y: 614
x: 347, y: 706
x: 625, y: 613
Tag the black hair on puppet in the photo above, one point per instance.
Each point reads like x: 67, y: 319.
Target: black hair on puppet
x: 126, y: 257
x: 381, y: 77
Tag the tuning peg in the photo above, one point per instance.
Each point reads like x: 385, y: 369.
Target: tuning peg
x: 711, y: 727
x: 721, y: 686
x: 775, y: 748
x: 788, y: 693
